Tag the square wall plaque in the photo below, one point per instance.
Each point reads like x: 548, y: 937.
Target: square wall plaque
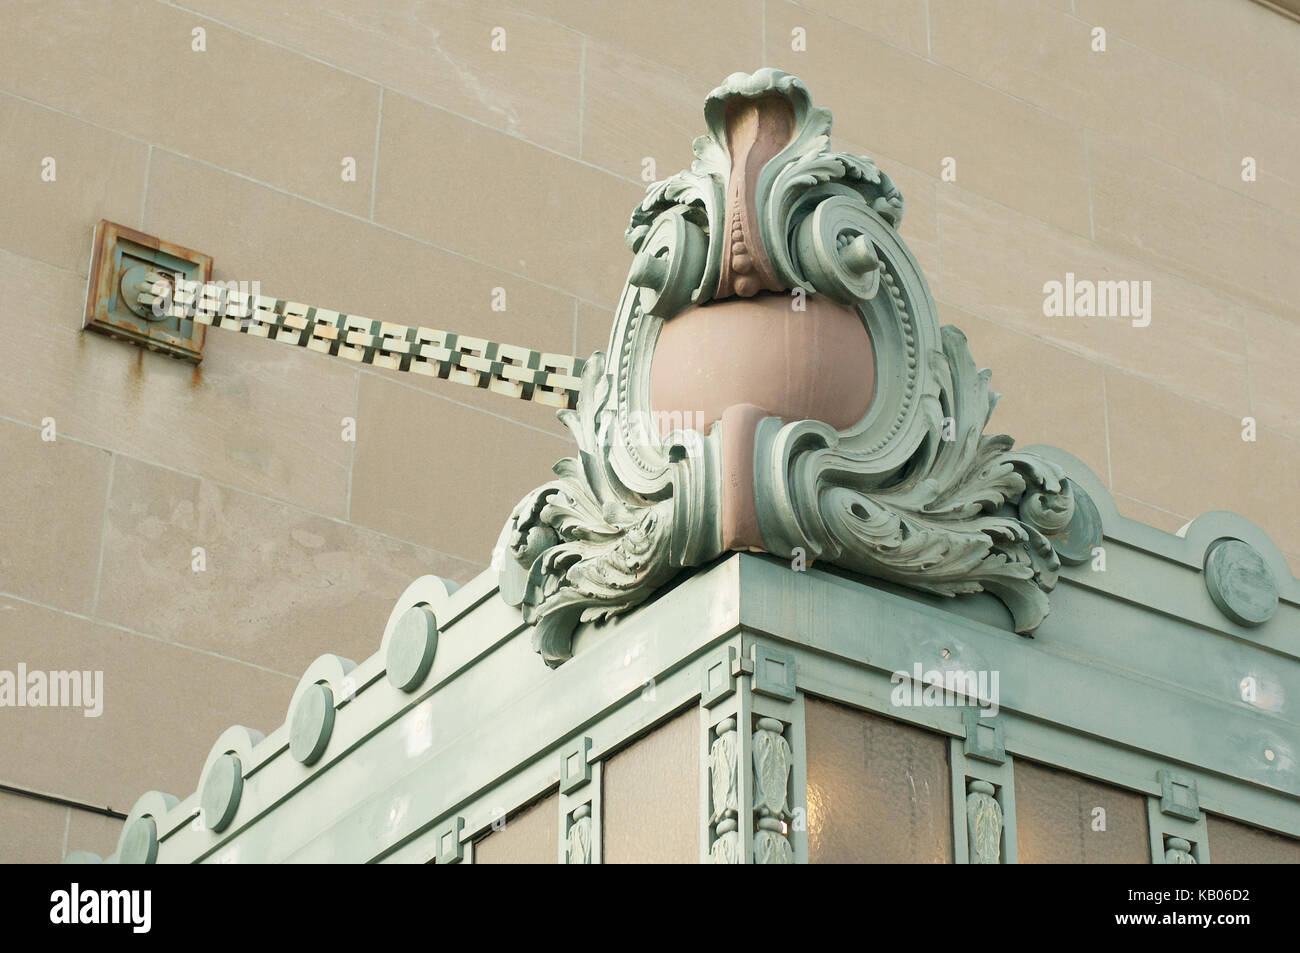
x: 120, y: 264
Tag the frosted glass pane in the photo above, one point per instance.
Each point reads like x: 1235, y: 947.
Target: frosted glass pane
x: 530, y: 836
x: 652, y: 796
x: 1057, y: 820
x: 878, y: 790
x: 1232, y: 842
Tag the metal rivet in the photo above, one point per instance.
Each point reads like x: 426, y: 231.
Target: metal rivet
x: 412, y: 647
x: 1240, y: 583
x: 140, y: 845
x: 312, y: 723
x: 221, y: 793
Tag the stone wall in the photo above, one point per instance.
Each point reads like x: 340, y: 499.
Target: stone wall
x: 479, y: 169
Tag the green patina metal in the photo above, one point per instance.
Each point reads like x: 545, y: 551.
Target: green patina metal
x: 1123, y: 649
x: 913, y: 492
x: 1169, y: 665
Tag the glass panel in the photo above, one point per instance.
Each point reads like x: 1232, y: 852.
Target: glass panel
x: 1059, y: 819
x: 531, y: 836
x: 652, y: 796
x: 1232, y: 842
x: 878, y: 790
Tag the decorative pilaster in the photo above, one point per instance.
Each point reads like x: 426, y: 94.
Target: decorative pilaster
x: 773, y: 761
x: 1176, y: 822
x: 580, y: 829
x: 983, y: 823
x: 755, y: 794
x: 724, y: 785
x: 983, y: 793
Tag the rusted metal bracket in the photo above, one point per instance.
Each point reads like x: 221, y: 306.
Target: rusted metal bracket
x: 160, y: 296
x: 121, y: 264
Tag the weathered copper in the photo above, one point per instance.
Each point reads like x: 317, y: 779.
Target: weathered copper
x: 120, y: 251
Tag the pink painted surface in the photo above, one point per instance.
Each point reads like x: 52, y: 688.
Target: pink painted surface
x: 739, y: 361
x: 816, y: 364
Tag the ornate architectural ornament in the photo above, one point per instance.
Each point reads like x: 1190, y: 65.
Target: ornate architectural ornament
x: 983, y: 823
x: 1178, y: 851
x: 724, y: 786
x: 578, y: 843
x: 773, y: 761
x: 777, y: 381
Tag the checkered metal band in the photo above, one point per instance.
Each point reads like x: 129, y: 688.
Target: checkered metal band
x: 552, y: 379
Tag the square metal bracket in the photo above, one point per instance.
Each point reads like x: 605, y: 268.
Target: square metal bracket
x: 719, y: 677
x: 1164, y: 828
x: 121, y: 259
x: 773, y: 672
x: 1178, y: 796
x: 983, y: 737
x: 582, y: 808
x: 1001, y: 775
x: 575, y: 769
x: 450, y: 850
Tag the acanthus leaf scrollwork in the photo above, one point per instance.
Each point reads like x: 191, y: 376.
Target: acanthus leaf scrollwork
x: 915, y: 492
